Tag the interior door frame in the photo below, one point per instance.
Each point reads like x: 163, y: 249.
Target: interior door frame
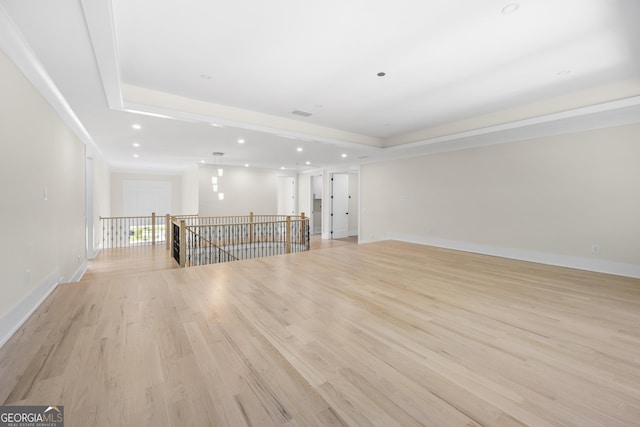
x: 333, y: 199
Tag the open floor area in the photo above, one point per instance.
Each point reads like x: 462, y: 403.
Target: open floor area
x: 377, y: 334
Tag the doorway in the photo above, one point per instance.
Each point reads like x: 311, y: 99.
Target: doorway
x: 316, y: 204
x: 339, y: 205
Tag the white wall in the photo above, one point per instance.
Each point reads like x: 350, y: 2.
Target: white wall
x: 245, y: 190
x: 101, y: 198
x: 42, y: 203
x: 117, y: 185
x: 354, y: 196
x: 190, y: 191
x: 547, y: 200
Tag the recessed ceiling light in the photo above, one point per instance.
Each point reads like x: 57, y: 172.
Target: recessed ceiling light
x: 135, y: 144
x: 241, y: 141
x: 136, y: 126
x: 246, y: 165
x: 216, y: 125
x: 381, y: 74
x: 301, y: 113
x: 282, y: 167
x: 344, y: 155
x: 307, y: 163
x: 299, y: 149
x: 136, y: 156
x: 510, y: 8
x: 202, y: 161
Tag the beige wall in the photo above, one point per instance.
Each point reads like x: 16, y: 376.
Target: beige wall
x: 547, y: 200
x: 245, y: 190
x: 42, y: 201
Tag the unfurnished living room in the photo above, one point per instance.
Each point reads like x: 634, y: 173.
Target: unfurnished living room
x: 337, y: 213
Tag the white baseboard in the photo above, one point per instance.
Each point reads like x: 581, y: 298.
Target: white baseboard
x: 77, y: 276
x: 13, y: 320
x: 94, y: 253
x: 580, y: 263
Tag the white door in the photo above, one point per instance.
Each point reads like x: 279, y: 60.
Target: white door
x: 286, y: 195
x: 339, y: 205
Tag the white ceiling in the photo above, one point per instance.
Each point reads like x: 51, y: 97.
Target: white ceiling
x: 458, y: 74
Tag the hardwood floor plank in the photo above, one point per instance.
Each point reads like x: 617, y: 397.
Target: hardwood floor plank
x: 387, y: 333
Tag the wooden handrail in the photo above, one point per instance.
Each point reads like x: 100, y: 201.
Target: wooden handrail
x: 245, y: 223
x: 125, y: 217
x: 267, y: 234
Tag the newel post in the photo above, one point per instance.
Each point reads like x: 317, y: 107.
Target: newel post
x: 167, y: 231
x: 302, y: 227
x: 153, y: 228
x: 288, y: 235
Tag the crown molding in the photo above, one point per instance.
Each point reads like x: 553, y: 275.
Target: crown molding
x: 98, y: 16
x: 16, y: 47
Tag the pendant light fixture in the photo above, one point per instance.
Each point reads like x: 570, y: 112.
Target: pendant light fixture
x: 214, y: 179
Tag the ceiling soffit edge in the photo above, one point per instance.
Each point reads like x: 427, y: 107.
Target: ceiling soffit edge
x: 99, y: 19
x: 120, y: 96
x: 98, y: 16
x: 582, y: 102
x: 170, y: 105
x: 14, y: 45
x: 615, y: 113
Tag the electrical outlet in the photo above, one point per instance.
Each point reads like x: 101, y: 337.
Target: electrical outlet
x: 595, y: 248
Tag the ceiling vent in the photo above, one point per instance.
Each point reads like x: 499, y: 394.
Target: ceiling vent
x: 301, y: 113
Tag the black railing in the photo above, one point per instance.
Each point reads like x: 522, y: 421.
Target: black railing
x: 120, y: 232
x: 175, y: 242
x: 210, y: 240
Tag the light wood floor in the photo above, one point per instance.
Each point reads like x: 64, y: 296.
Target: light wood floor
x: 379, y: 334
